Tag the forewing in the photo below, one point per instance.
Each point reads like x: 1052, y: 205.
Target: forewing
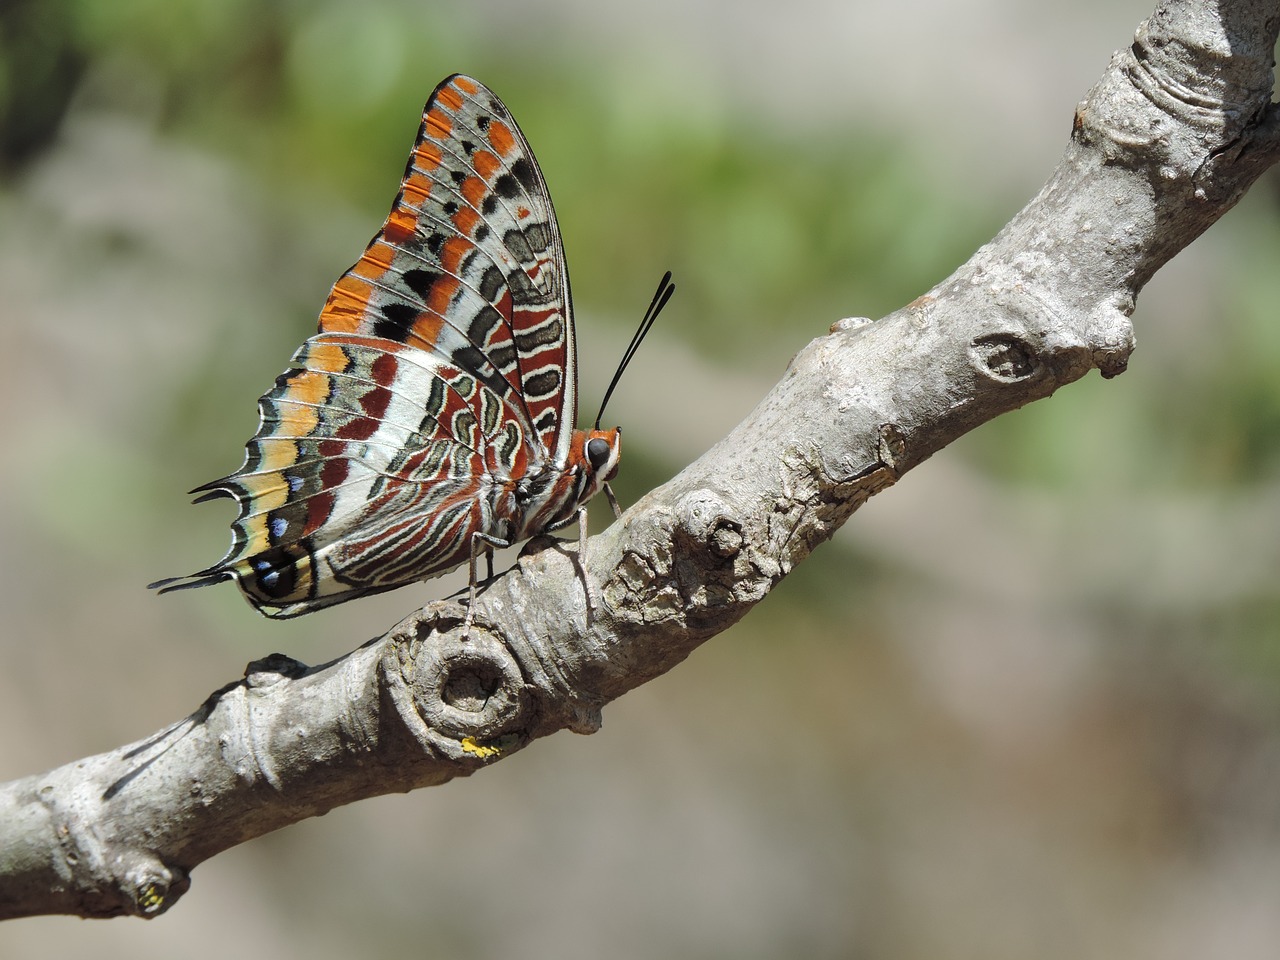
x: 469, y: 264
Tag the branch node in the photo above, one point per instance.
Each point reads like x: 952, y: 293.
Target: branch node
x: 450, y: 689
x: 151, y: 887
x: 273, y: 668
x: 584, y: 718
x: 705, y: 520
x: 1113, y: 340
x: 1004, y: 356
x: 850, y: 324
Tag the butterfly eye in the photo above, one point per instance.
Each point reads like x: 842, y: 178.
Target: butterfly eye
x: 597, y: 453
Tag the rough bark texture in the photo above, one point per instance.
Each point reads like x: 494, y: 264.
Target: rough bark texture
x: 1177, y: 129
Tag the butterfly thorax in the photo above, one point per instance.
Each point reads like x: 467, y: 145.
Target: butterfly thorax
x: 548, y: 497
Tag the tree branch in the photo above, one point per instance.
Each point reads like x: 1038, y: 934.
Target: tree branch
x: 1174, y: 133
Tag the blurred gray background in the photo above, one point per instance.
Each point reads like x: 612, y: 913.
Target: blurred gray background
x: 1024, y: 705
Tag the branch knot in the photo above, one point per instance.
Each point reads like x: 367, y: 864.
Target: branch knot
x: 449, y: 688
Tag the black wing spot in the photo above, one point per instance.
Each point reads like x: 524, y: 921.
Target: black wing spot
x: 543, y: 335
x: 400, y: 313
x: 523, y: 170
x: 458, y: 176
x: 503, y: 357
x: 482, y: 231
x: 542, y: 384
x: 514, y: 241
x: 275, y: 572
x: 506, y: 187
x: 468, y: 259
x: 483, y: 324
x: 491, y: 284
x: 489, y: 205
x: 538, y: 235
x: 421, y: 281
x: 396, y: 320
x: 434, y: 243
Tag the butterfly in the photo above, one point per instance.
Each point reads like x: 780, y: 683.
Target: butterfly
x: 431, y: 418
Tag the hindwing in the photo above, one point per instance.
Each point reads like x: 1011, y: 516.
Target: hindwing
x: 367, y: 472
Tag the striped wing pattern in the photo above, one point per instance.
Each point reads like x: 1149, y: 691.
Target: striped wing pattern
x: 437, y: 402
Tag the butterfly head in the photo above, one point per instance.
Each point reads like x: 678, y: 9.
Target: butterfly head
x: 597, y: 458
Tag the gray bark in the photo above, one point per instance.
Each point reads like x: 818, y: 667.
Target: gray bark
x: 1177, y: 129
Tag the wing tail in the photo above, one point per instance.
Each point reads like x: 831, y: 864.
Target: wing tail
x: 204, y: 578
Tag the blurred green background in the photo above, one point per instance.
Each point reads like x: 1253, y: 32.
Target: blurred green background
x: 1024, y: 705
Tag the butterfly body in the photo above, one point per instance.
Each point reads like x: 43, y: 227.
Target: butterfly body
x: 432, y: 417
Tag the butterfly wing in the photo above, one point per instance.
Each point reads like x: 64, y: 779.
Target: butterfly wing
x: 444, y: 368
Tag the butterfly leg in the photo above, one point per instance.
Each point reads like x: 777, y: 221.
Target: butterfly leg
x: 613, y: 501
x: 480, y: 543
x: 582, y: 556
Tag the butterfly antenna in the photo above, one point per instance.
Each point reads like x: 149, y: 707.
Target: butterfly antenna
x: 660, y: 297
